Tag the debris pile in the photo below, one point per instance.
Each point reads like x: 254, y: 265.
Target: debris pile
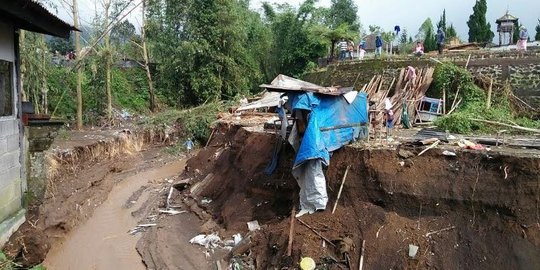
x: 410, y: 89
x: 391, y: 210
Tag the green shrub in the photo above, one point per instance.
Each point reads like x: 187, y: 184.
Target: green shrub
x: 129, y: 88
x: 473, y: 103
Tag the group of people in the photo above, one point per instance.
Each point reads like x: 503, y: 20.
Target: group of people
x: 440, y: 38
x: 347, y: 48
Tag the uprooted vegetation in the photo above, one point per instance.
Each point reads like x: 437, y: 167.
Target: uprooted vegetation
x: 471, y: 95
x: 189, y: 123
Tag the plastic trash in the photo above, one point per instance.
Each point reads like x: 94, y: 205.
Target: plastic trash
x: 307, y: 263
x: 449, y: 153
x: 237, y: 238
x: 253, y: 225
x: 208, y: 241
x: 413, y: 250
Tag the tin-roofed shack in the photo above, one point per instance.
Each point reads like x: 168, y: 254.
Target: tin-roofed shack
x: 16, y: 15
x: 324, y: 120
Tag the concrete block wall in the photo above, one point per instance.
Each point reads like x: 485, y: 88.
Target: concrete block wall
x: 12, y: 181
x: 10, y: 168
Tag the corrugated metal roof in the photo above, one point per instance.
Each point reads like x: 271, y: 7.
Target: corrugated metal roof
x: 32, y: 16
x: 283, y: 83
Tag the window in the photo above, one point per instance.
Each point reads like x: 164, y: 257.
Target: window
x: 6, y: 88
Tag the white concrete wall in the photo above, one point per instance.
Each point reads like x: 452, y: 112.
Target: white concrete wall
x: 10, y: 143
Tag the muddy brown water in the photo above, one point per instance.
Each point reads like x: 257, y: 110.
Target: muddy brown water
x: 103, y: 242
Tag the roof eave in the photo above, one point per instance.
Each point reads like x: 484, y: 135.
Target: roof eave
x: 31, y: 16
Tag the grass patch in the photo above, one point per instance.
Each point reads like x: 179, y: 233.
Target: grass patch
x: 7, y: 264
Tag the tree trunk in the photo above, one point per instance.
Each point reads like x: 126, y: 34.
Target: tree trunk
x: 79, y: 71
x: 44, y: 89
x: 146, y: 63
x: 333, y: 48
x: 108, y: 63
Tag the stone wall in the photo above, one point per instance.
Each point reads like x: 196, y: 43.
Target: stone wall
x: 40, y: 137
x: 521, y: 70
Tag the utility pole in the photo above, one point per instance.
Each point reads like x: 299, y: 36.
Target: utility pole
x: 79, y: 70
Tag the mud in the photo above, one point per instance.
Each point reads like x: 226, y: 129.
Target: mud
x: 479, y: 210
x: 82, y: 172
x: 103, y: 237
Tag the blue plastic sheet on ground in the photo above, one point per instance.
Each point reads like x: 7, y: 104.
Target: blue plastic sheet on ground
x: 333, y: 123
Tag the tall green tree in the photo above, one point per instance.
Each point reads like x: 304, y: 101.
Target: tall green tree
x: 334, y: 35
x: 37, y: 66
x: 343, y: 12
x: 537, y: 36
x: 122, y: 33
x: 207, y: 49
x: 430, y: 43
x: 373, y: 29
x: 296, y: 46
x: 451, y: 32
x: 404, y: 37
x: 442, y: 22
x: 479, y: 28
x: 426, y: 33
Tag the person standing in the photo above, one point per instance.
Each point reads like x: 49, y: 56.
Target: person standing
x: 342, y: 49
x: 189, y: 145
x: 350, y: 49
x: 523, y: 39
x: 378, y: 45
x: 441, y: 36
x: 388, y: 117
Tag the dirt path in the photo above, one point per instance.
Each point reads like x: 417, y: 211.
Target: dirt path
x: 103, y: 242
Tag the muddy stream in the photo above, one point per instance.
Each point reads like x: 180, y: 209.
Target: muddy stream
x: 103, y: 241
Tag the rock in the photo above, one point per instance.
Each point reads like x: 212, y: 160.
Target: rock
x: 408, y: 163
x: 405, y: 154
x: 209, y: 226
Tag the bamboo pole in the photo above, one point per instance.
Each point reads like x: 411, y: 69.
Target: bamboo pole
x: 291, y: 232
x: 444, y: 100
x: 533, y: 130
x: 361, y: 263
x: 490, y: 90
x: 79, y: 71
x: 151, y: 91
x: 108, y: 61
x: 341, y: 188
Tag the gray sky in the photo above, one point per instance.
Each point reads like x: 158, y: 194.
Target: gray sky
x: 408, y: 14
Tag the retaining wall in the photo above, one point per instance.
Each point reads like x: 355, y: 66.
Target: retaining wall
x: 521, y: 70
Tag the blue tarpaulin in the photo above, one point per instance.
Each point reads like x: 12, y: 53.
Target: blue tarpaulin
x: 333, y: 123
